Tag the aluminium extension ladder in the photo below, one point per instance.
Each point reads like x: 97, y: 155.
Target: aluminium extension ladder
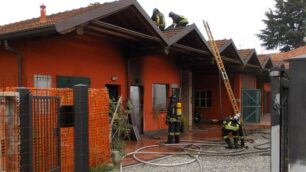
x: 222, y: 70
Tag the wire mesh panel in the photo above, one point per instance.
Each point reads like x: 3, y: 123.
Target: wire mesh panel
x: 46, y: 133
x: 251, y: 105
x: 9, y: 132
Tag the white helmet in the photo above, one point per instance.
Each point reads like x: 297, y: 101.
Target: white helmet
x: 237, y: 116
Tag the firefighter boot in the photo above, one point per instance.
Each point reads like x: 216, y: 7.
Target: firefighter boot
x: 170, y: 139
x: 242, y: 143
x: 229, y: 143
x: 177, y: 138
x: 237, y: 146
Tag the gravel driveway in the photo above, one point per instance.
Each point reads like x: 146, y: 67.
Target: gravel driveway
x: 255, y: 162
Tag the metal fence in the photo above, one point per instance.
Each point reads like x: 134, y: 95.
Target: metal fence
x: 46, y: 133
x: 37, y: 134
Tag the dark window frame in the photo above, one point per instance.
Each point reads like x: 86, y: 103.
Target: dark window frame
x: 70, y: 81
x: 203, y: 98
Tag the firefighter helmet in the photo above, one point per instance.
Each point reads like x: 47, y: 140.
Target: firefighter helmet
x: 173, y: 98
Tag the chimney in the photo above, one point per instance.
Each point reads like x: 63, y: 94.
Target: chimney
x: 43, y: 16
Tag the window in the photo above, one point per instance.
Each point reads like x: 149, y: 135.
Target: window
x: 202, y: 98
x: 70, y: 81
x: 160, y: 95
x: 42, y: 81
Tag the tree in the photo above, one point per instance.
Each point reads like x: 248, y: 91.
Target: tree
x: 285, y: 26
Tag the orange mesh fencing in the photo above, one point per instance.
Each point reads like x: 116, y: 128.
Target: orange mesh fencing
x: 67, y: 148
x: 9, y: 134
x: 98, y: 128
x: 98, y: 122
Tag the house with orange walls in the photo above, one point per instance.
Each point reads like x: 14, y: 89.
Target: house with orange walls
x: 244, y: 70
x: 164, y: 70
x: 116, y: 45
x: 43, y: 61
x: 156, y: 71
x: 210, y: 96
x: 113, y: 45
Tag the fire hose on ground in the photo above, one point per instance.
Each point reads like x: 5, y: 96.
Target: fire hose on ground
x: 193, y: 148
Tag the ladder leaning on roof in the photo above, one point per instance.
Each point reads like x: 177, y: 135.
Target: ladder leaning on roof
x: 222, y: 70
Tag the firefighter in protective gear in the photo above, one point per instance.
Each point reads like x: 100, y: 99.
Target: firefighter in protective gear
x: 177, y: 20
x: 159, y: 19
x: 232, y: 125
x: 174, y: 120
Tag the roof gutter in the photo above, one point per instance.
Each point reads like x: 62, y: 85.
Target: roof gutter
x: 28, y: 32
x: 19, y: 57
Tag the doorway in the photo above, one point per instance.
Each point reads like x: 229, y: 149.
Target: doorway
x: 113, y: 92
x: 136, y: 97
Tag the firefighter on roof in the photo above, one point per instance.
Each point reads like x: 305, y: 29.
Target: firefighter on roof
x: 174, y: 120
x: 177, y: 20
x: 159, y: 19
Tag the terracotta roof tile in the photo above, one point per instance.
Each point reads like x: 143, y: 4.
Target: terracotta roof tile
x: 173, y: 31
x: 290, y: 54
x: 263, y: 58
x: 277, y: 63
x: 221, y: 43
x: 245, y: 53
x: 51, y: 19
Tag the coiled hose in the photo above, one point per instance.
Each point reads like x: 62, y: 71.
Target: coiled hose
x: 193, y: 148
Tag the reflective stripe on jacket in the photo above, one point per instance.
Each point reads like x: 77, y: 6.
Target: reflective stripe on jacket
x: 230, y: 125
x: 179, y: 19
x: 160, y: 20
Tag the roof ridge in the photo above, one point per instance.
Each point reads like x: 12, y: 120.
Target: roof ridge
x: 51, y: 19
x: 90, y: 6
x: 246, y: 49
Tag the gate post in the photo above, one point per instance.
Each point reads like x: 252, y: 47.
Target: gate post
x: 81, y: 146
x: 26, y: 137
x: 275, y: 75
x: 297, y: 115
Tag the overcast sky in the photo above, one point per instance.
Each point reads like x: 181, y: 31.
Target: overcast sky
x: 239, y: 20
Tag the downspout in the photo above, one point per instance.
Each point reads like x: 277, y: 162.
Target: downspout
x: 19, y: 61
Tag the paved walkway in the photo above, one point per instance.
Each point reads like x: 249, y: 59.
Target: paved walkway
x: 200, y: 132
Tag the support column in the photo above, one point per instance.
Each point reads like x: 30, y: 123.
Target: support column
x: 187, y: 97
x: 26, y: 126
x: 81, y: 145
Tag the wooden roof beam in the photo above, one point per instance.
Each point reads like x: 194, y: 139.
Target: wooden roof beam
x: 124, y: 31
